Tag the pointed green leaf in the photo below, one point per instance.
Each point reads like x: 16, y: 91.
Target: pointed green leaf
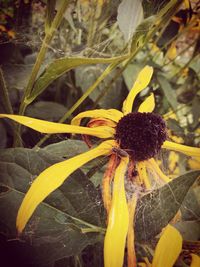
x: 169, y: 92
x: 55, y: 230
x: 157, y: 208
x: 60, y: 66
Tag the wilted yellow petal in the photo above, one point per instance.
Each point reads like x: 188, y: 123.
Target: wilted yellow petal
x: 168, y: 248
x: 148, y: 104
x: 53, y: 127
x: 51, y: 178
x: 195, y: 260
x: 112, y: 114
x: 141, y: 167
x: 106, y: 183
x: 101, y: 122
x: 115, y: 238
x: 141, y: 83
x: 187, y: 150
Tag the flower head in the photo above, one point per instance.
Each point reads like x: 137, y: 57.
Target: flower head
x: 141, y: 134
x: 133, y: 139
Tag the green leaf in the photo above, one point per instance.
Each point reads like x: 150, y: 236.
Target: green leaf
x: 55, y: 229
x: 3, y: 136
x: 68, y: 148
x: 168, y: 91
x: 131, y: 72
x: 16, y: 75
x: 195, y: 66
x: 130, y: 14
x: 173, y: 125
x: 61, y: 66
x: 195, y: 112
x: 87, y: 75
x: 190, y: 209
x: 46, y: 110
x: 190, y: 230
x: 157, y: 208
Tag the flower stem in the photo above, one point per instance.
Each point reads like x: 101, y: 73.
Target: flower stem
x: 5, y: 94
x: 40, y: 58
x: 41, y: 55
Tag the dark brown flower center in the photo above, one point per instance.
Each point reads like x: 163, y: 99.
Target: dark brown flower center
x: 141, y: 134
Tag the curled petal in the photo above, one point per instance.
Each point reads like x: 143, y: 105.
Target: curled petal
x: 101, y: 122
x: 115, y: 238
x: 148, y: 104
x: 168, y: 248
x: 53, y: 127
x: 53, y: 177
x: 111, y: 114
x: 187, y: 150
x: 141, y: 83
x: 195, y: 260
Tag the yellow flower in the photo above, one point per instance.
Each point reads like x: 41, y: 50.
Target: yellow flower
x: 133, y: 139
x: 168, y: 249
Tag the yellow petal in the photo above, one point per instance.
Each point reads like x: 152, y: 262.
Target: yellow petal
x: 187, y: 150
x: 187, y: 4
x: 153, y: 165
x: 131, y: 234
x: 53, y: 127
x: 168, y: 248
x: 51, y: 178
x: 148, y: 105
x: 172, y: 51
x: 115, y: 238
x: 141, y: 83
x: 194, y: 163
x: 106, y: 183
x: 195, y: 261
x: 101, y: 122
x: 146, y: 264
x: 143, y: 174
x: 112, y: 114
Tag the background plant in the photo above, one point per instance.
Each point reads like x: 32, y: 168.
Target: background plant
x: 65, y: 57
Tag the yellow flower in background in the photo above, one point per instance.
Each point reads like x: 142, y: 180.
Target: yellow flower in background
x: 168, y: 249
x: 133, y: 140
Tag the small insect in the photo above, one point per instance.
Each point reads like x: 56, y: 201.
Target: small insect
x: 120, y: 152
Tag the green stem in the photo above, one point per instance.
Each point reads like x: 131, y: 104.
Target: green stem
x: 92, y: 230
x: 5, y: 94
x: 8, y: 107
x: 41, y: 55
x: 40, y: 58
